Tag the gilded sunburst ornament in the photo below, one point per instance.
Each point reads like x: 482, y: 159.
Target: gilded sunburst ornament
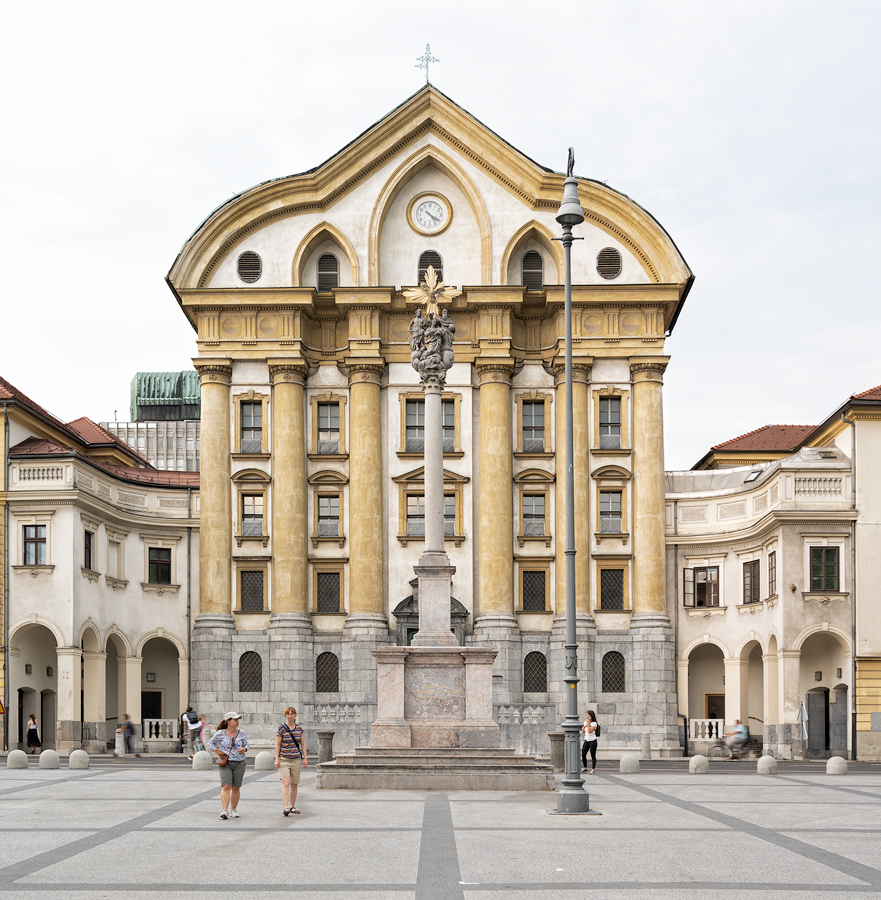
x: 431, y: 293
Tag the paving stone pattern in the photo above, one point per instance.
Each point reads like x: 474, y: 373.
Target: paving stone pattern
x: 146, y: 829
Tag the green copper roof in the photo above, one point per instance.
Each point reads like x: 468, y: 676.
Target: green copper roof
x: 164, y: 389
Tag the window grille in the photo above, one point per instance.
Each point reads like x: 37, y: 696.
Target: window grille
x: 533, y: 271
x: 329, y: 516
x: 535, y: 673
x: 534, y: 590
x: 252, y: 514
x: 249, y: 266
x: 159, y: 560
x: 327, y: 674
x: 430, y: 258
x: 613, y: 673
x: 250, y: 672
x: 533, y: 514
x: 252, y: 428
x: 610, y: 512
x: 533, y: 426
x: 328, y: 591
x: 612, y: 589
x: 609, y: 263
x: 252, y: 592
x: 328, y: 272
x: 35, y: 545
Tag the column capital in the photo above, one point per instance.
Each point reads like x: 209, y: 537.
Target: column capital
x: 282, y: 371
x: 216, y: 370
x: 642, y: 370
x: 490, y: 372
x: 580, y: 371
x: 362, y: 370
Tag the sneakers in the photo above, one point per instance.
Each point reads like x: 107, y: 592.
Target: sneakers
x: 233, y: 814
x: 224, y: 815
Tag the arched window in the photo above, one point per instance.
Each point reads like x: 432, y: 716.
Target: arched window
x: 532, y: 269
x: 327, y: 674
x: 328, y: 272
x: 250, y: 672
x: 535, y: 673
x: 430, y: 258
x: 613, y: 673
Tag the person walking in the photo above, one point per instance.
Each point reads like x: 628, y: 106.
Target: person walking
x: 230, y: 744
x: 589, y: 732
x: 127, y: 730
x: 200, y: 739
x: 290, y: 758
x: 33, y: 735
x: 189, y: 726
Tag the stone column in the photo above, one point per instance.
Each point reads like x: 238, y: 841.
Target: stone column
x: 366, y: 625
x: 495, y: 623
x: 129, y: 693
x: 94, y: 702
x: 69, y: 727
x: 647, y: 498
x: 789, y: 672
x: 215, y: 536
x: 682, y: 683
x: 736, y: 690
x: 290, y: 525
x: 183, y: 681
x: 580, y: 446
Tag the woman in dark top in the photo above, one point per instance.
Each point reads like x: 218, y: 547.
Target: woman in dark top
x: 33, y: 735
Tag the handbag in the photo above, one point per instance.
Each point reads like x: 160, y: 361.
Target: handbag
x: 223, y: 758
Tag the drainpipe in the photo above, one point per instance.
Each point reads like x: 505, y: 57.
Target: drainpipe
x: 853, y: 586
x: 189, y: 597
x: 676, y: 619
x: 6, y: 575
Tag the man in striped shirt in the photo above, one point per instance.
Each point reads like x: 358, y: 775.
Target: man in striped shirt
x: 290, y: 757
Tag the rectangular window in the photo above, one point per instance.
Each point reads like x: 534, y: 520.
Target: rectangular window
x: 701, y: 586
x: 449, y: 425
x: 449, y: 515
x: 87, y: 557
x: 329, y: 516
x: 533, y: 514
x: 533, y: 426
x: 611, y: 589
x: 113, y: 567
x: 327, y: 585
x: 415, y: 515
x: 772, y: 573
x: 252, y: 592
x: 252, y: 514
x: 160, y: 565
x: 415, y: 433
x: 35, y: 545
x: 328, y: 428
x: 751, y: 582
x: 534, y: 590
x: 824, y: 568
x: 610, y: 423
x: 252, y: 428
x: 610, y: 512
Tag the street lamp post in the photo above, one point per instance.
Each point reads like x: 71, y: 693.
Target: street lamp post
x: 572, y: 799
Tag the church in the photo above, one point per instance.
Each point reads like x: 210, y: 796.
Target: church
x: 312, y: 472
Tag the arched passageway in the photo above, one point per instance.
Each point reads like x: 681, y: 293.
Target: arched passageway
x: 33, y: 676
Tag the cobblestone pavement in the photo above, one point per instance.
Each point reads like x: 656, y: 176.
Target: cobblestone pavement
x: 150, y: 828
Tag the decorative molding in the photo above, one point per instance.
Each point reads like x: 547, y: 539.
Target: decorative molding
x: 362, y: 371
x: 213, y: 372
x: 494, y: 372
x: 160, y: 588
x: 33, y: 571
x: 692, y: 514
x: 731, y: 510
x: 131, y: 499
x: 166, y: 503
x: 90, y: 575
x: 115, y: 582
x: 288, y: 373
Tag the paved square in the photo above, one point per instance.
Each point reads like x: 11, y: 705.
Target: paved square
x: 146, y: 828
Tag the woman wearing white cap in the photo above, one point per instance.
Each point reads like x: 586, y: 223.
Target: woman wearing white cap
x: 230, y: 744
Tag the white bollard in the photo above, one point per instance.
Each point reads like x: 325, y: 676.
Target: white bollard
x: 49, y: 760
x: 698, y: 765
x: 78, y: 759
x: 264, y: 761
x: 629, y: 764
x: 836, y: 766
x: 767, y: 765
x: 202, y: 760
x: 17, y: 759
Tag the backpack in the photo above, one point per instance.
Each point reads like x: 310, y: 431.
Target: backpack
x: 192, y: 717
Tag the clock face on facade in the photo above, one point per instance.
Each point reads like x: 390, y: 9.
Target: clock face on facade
x: 429, y: 213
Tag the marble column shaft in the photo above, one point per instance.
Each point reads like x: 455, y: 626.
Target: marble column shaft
x: 649, y: 549
x: 366, y: 521
x: 215, y: 534
x: 580, y: 447
x: 290, y: 525
x: 495, y: 524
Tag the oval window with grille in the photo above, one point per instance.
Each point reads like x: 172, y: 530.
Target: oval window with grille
x: 250, y: 266
x: 609, y: 262
x: 533, y: 271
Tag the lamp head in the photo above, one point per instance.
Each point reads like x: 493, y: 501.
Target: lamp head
x: 570, y: 212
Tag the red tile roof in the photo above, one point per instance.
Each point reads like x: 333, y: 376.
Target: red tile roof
x: 10, y: 392
x: 769, y: 438
x: 871, y: 394
x: 92, y: 433
x: 39, y: 447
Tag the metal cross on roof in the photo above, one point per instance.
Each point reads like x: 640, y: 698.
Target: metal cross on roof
x: 424, y: 60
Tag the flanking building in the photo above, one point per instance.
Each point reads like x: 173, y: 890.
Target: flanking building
x: 312, y: 470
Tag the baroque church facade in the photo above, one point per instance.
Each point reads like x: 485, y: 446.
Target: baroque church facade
x: 312, y: 494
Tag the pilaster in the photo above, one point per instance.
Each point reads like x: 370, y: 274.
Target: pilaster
x: 94, y: 738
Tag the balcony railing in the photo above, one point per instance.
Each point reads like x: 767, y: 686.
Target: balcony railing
x: 161, y: 729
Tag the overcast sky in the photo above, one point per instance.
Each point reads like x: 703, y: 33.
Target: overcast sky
x: 750, y: 130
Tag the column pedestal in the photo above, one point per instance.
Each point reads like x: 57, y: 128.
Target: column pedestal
x: 585, y: 635
x: 213, y: 678
x: 652, y: 682
x: 291, y: 659
x: 501, y: 632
